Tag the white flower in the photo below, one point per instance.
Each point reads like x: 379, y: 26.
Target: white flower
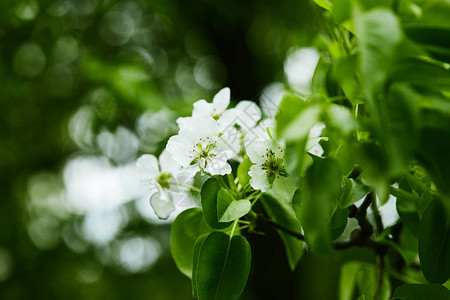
x: 269, y: 164
x: 200, y: 145
x: 264, y: 131
x: 243, y: 117
x: 205, y: 109
x: 168, y: 179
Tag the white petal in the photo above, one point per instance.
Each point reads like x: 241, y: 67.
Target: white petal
x: 221, y: 100
x: 147, y: 166
x: 257, y: 151
x: 271, y: 98
x: 202, y: 108
x: 162, y: 205
x: 182, y: 199
x: 229, y: 142
x: 167, y: 163
x: 258, y: 179
x: 317, y: 150
x: 218, y: 166
x: 183, y: 122
x: 181, y: 180
x: 179, y: 147
x: 200, y: 128
x: 227, y: 119
x: 248, y: 114
x: 316, y: 130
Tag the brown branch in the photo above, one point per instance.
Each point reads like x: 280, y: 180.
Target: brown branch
x: 377, y: 216
x: 354, y: 173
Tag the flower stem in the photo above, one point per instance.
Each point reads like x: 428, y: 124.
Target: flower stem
x: 192, y: 188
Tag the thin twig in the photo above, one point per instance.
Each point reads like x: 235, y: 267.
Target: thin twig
x: 268, y: 221
x: 377, y: 216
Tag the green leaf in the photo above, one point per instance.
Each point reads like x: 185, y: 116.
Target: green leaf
x: 434, y: 243
x: 362, y: 276
x: 296, y: 160
x: 338, y: 222
x: 209, y: 192
x: 422, y: 73
x: 282, y: 213
x: 342, y: 119
x: 435, y: 39
x: 379, y: 33
x: 228, y: 208
x: 242, y: 171
x: 315, y: 203
x: 295, y: 118
x: 342, y: 10
x: 373, y: 160
x: 283, y: 188
x: 352, y: 192
x: 434, y: 149
x: 406, y: 246
x: 197, y: 247
x: 326, y: 4
x: 186, y: 228
x: 421, y: 292
x: 223, y: 267
x: 407, y: 210
x: 344, y: 71
x: 402, y: 128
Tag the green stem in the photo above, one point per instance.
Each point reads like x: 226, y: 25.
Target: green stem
x: 256, y: 199
x: 231, y: 182
x: 403, y: 194
x: 234, y: 228
x: 192, y: 188
x: 417, y: 185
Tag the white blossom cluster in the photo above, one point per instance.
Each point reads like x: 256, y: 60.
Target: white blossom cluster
x: 206, y: 142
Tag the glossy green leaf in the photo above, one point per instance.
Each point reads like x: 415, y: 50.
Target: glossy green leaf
x: 282, y: 213
x: 434, y: 243
x: 209, y: 192
x: 223, y: 267
x: 197, y: 247
x: 230, y: 209
x: 186, y: 228
x: 315, y: 203
x: 421, y: 292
